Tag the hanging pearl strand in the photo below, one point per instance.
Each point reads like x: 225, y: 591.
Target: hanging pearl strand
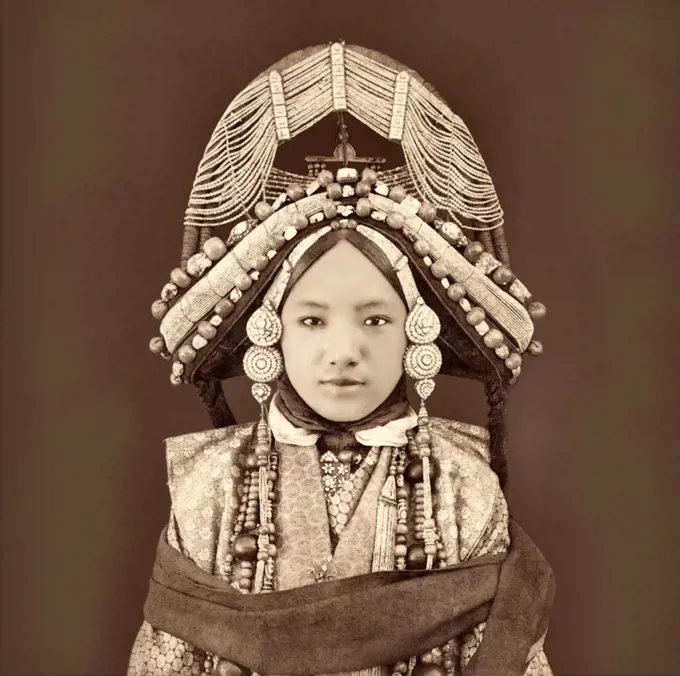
x: 429, y: 529
x: 420, y: 472
x: 269, y: 528
x: 263, y: 451
x: 254, y: 539
x: 400, y: 549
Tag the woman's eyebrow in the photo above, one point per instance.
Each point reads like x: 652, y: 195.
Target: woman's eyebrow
x: 365, y: 305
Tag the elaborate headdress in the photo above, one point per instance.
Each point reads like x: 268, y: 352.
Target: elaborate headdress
x: 437, y: 219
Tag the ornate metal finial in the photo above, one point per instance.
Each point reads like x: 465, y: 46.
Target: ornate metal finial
x: 343, y: 155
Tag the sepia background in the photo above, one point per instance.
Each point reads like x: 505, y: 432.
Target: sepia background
x: 107, y: 108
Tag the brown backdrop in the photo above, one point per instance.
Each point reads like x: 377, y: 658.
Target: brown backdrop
x: 107, y: 108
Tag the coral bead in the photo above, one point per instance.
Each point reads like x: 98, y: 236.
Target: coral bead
x: 186, y: 354
x: 535, y: 348
x: 299, y: 221
x: 502, y: 275
x: 263, y: 210
x: 245, y: 547
x: 414, y: 471
x: 159, y: 309
x: 330, y: 210
x: 325, y: 178
x: 536, y: 310
x: 455, y: 292
x: 334, y: 191
x: 400, y: 550
x: 363, y: 207
x: 362, y: 189
x: 422, y: 248
x: 396, y: 220
x: 243, y: 282
x: 416, y: 557
x: 295, y: 191
x: 207, y: 330
x: 493, y: 338
x: 224, y: 307
x: 397, y: 194
x: 513, y: 361
x: 179, y: 277
x: 260, y: 262
x: 215, y: 248
x: 427, y: 212
x: 475, y: 316
x: 278, y: 240
x: 439, y: 269
x: 369, y: 176
x: 473, y: 251
x: 157, y: 345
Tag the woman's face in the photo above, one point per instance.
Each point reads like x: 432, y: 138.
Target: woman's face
x: 343, y: 321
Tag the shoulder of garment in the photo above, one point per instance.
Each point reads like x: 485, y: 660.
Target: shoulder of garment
x: 471, y: 503
x: 204, y: 468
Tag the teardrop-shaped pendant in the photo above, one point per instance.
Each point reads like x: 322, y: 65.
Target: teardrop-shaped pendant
x: 264, y: 327
x: 422, y: 324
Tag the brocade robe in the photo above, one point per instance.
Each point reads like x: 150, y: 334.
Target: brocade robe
x: 204, y: 473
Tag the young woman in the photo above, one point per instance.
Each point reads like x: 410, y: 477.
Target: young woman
x: 345, y: 532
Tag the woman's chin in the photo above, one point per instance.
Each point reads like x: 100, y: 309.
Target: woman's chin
x: 343, y: 411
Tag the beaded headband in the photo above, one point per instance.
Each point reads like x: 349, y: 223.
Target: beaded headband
x: 473, y: 274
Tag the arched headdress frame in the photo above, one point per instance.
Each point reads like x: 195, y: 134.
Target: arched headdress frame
x: 443, y: 165
x: 204, y: 307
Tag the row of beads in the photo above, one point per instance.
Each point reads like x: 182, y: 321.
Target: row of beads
x: 253, y: 541
x: 247, y: 552
x: 338, y: 187
x: 473, y: 252
x: 437, y: 661
x: 214, y: 249
x: 207, y: 329
x: 475, y: 316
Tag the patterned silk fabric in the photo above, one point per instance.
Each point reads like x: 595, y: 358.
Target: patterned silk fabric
x: 344, y: 479
x: 203, y: 472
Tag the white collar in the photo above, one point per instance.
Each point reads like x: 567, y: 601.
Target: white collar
x: 392, y: 433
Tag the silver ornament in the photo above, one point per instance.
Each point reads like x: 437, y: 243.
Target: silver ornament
x: 264, y: 327
x: 422, y: 361
x: 262, y: 364
x: 422, y: 324
x: 261, y: 392
x: 424, y: 388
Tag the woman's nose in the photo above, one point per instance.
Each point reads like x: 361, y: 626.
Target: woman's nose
x: 344, y: 348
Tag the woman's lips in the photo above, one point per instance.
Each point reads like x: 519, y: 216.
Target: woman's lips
x: 343, y: 385
x: 342, y: 381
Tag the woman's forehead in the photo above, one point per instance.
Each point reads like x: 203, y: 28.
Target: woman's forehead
x: 315, y: 300
x: 343, y: 268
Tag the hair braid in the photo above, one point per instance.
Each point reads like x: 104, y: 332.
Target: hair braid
x: 496, y: 396
x: 211, y: 393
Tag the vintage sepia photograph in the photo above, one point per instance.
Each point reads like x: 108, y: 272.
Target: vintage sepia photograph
x: 337, y: 338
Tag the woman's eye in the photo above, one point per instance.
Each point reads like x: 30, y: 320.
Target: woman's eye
x: 311, y: 321
x: 377, y: 321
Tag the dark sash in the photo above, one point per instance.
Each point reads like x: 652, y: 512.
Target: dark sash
x: 363, y: 621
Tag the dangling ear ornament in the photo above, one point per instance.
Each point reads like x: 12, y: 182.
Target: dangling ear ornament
x: 262, y: 362
x: 422, y: 362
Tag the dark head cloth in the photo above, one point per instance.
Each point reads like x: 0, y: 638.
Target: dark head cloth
x: 293, y: 407
x: 363, y: 621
